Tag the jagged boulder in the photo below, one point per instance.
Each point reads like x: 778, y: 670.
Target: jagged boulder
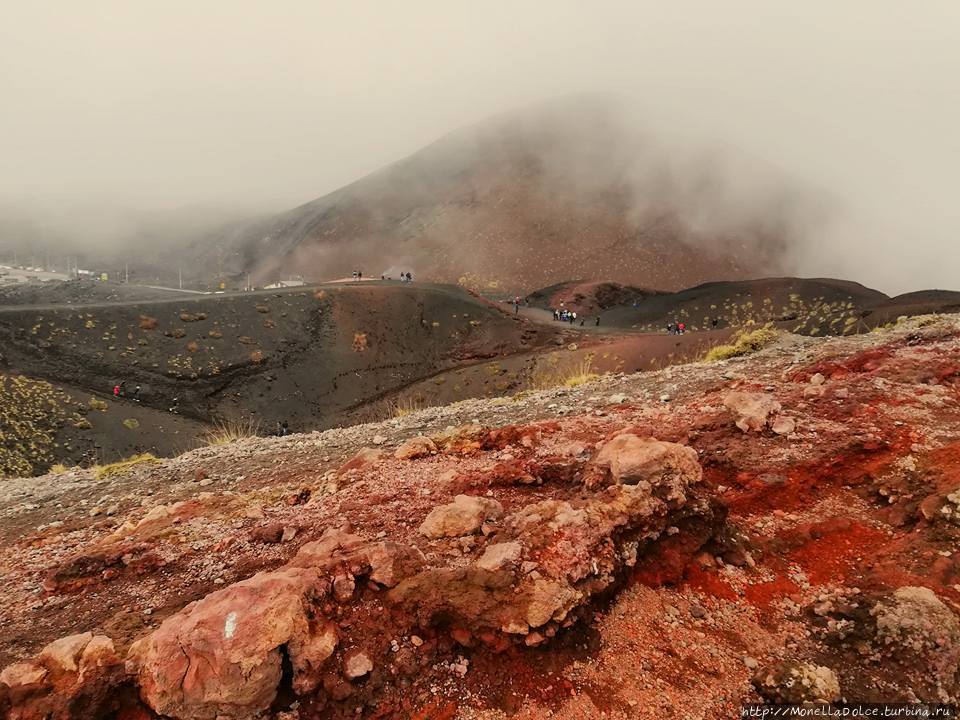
x: 464, y: 516
x: 751, y: 411
x: 221, y: 657
x: 630, y: 460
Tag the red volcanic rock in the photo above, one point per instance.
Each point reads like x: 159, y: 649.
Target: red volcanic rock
x: 73, y: 676
x: 463, y: 516
x: 580, y: 548
x: 88, y: 567
x: 222, y: 655
x: 271, y: 533
x: 751, y: 410
x: 630, y: 460
x: 415, y: 447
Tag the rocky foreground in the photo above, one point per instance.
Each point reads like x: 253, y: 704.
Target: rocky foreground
x: 776, y: 528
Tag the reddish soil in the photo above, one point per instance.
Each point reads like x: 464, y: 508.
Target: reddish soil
x: 820, y: 526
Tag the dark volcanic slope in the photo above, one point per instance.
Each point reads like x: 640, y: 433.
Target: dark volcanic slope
x: 76, y: 292
x: 517, y: 203
x: 802, y: 305
x: 312, y: 356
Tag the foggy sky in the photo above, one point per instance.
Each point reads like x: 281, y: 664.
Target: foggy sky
x: 259, y: 106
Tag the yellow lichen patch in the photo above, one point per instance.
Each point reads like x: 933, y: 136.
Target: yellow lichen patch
x: 123, y: 466
x: 744, y: 343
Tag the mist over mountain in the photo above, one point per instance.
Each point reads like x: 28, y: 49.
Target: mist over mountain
x: 573, y: 188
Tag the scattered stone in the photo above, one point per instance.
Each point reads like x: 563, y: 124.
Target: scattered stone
x: 271, y: 533
x: 784, y: 425
x: 500, y: 554
x: 416, y: 447
x: 356, y: 665
x: 463, y: 516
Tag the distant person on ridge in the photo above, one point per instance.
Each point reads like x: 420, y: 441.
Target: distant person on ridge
x: 116, y: 392
x: 597, y: 324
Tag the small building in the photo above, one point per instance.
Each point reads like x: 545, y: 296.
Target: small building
x: 284, y: 284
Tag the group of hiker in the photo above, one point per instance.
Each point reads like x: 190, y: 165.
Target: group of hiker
x: 404, y: 277
x: 679, y: 328
x: 120, y: 391
x: 570, y: 316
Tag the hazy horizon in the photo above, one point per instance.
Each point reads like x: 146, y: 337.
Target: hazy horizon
x: 116, y: 113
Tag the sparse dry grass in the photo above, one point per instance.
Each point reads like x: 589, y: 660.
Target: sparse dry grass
x: 745, y: 342
x: 225, y: 432
x: 564, y: 374
x: 123, y: 466
x: 408, y: 405
x: 30, y: 414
